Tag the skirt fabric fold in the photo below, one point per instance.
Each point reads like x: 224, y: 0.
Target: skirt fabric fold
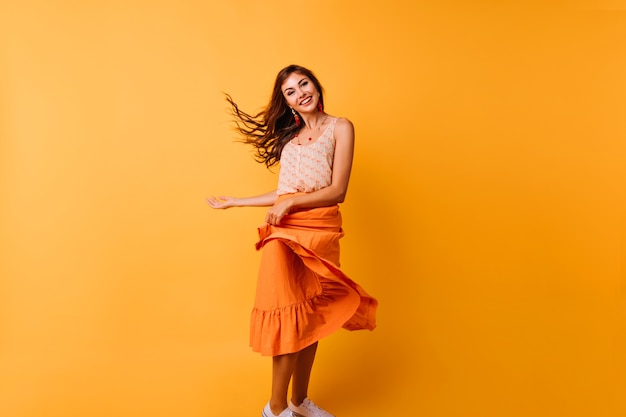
x: 302, y: 295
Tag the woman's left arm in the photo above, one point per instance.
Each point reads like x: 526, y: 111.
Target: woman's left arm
x: 336, y: 192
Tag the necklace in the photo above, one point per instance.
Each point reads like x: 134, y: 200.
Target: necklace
x: 311, y: 131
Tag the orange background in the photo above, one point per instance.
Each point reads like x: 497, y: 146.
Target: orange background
x: 485, y: 211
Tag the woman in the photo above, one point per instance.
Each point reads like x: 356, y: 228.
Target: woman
x: 302, y: 295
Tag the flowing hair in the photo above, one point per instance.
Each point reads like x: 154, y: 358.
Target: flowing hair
x: 272, y: 128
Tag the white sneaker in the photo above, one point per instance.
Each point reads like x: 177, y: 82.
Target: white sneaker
x: 267, y: 412
x: 308, y: 409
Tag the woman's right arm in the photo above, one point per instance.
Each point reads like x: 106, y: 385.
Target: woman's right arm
x: 224, y: 202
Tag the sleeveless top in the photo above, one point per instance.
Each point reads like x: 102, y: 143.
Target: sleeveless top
x: 307, y: 168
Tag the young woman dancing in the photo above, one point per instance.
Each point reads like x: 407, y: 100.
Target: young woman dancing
x: 302, y: 295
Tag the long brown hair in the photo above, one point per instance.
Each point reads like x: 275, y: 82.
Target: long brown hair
x: 272, y: 128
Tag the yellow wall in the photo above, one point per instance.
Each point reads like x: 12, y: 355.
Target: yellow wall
x: 485, y: 209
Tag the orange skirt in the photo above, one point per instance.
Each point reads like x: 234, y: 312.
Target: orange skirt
x: 302, y: 295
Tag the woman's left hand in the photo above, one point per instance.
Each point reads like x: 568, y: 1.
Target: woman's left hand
x: 278, y: 211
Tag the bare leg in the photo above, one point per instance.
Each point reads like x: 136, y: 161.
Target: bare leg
x: 302, y: 374
x: 282, y: 368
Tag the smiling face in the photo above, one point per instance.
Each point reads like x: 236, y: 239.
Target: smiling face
x: 300, y: 93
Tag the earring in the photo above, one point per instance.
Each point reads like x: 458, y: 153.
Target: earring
x: 320, y: 106
x: 296, y: 117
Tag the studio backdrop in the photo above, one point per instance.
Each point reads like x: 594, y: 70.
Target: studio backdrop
x: 485, y: 209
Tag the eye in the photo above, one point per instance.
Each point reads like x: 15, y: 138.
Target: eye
x: 290, y: 92
x: 304, y: 83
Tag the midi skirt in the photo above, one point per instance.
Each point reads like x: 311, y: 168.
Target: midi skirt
x: 302, y: 295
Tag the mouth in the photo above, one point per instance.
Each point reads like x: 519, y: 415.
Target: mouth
x: 306, y: 101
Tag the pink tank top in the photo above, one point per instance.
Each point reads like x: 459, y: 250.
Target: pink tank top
x: 307, y: 168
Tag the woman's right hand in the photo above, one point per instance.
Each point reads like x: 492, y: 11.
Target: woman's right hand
x: 221, y: 202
